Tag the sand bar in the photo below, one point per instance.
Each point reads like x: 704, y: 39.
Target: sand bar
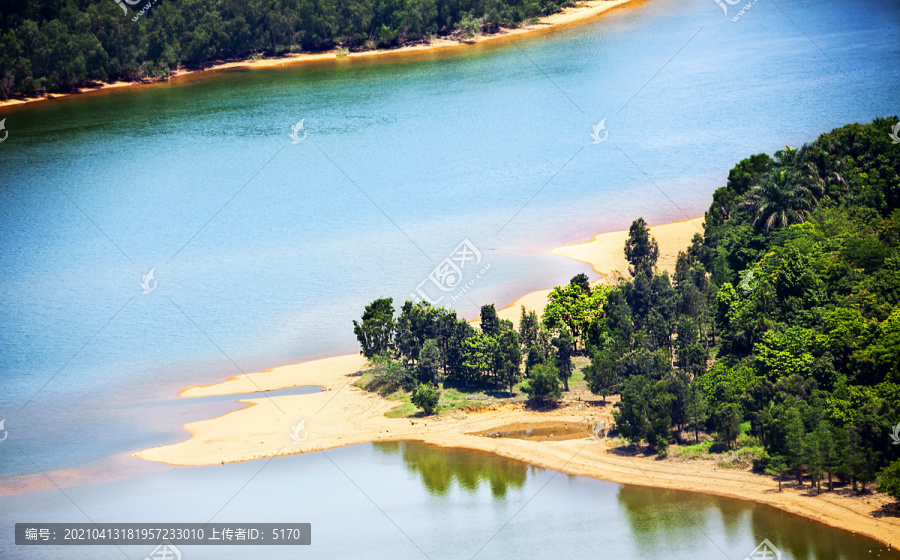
x: 344, y: 415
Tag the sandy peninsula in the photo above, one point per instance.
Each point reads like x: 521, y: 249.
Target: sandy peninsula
x: 342, y: 414
x: 584, y: 11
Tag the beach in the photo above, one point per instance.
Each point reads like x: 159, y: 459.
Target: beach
x: 578, y: 14
x: 343, y: 414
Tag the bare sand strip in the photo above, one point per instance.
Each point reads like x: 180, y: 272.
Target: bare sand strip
x: 581, y: 13
x: 605, y: 253
x: 344, y: 415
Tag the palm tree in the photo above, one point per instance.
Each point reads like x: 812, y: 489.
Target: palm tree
x: 781, y: 199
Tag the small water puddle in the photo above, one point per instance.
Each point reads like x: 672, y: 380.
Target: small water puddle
x: 545, y: 431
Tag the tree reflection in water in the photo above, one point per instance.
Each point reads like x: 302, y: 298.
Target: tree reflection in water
x: 439, y: 467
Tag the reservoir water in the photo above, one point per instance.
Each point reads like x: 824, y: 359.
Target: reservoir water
x: 264, y: 250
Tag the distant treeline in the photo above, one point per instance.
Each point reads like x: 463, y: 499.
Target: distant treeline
x: 48, y: 46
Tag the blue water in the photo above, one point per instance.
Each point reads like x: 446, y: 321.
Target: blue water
x: 264, y: 251
x: 412, y: 501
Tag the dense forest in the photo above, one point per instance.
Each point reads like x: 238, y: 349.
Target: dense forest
x: 53, y: 45
x: 779, y: 329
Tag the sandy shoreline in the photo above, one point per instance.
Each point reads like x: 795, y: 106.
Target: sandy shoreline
x: 345, y: 415
x: 588, y: 10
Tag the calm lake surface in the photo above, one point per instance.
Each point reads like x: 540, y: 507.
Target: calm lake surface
x: 263, y: 251
x: 439, y: 504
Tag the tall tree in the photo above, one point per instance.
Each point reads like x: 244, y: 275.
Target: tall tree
x: 529, y: 328
x: 509, y: 359
x: 564, y: 349
x: 376, y: 328
x: 641, y: 249
x: 490, y: 322
x: 696, y: 410
x: 429, y: 364
x: 602, y: 373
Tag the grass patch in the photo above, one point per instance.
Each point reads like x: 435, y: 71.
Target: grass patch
x: 748, y: 449
x: 696, y: 451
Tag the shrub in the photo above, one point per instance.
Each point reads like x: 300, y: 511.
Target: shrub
x: 543, y: 383
x: 426, y: 397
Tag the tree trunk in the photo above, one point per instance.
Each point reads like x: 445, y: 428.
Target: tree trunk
x: 830, y: 485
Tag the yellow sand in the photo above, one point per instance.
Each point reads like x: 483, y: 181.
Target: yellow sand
x: 343, y: 415
x: 581, y: 13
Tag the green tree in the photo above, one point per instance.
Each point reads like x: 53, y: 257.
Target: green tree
x: 429, y: 363
x: 641, y: 249
x: 581, y: 282
x: 570, y: 308
x: 536, y: 356
x: 660, y: 419
x: 529, y: 328
x: 389, y: 373
x: 426, y: 397
x: 728, y: 423
x: 602, y: 373
x: 777, y: 467
x: 543, y: 383
x: 696, y: 410
x: 377, y: 326
x: 889, y: 480
x: 478, y: 357
x: 490, y: 322
x: 780, y: 200
x: 509, y: 360
x: 564, y: 350
x: 632, y: 412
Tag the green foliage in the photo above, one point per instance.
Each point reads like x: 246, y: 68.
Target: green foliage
x: 426, y: 397
x: 543, y: 383
x: 376, y: 329
x: 429, y: 364
x: 55, y: 46
x: 889, y: 480
x: 490, y: 322
x: 508, y: 359
x: 728, y: 423
x: 564, y: 349
x: 793, y: 291
x: 389, y: 374
x: 572, y: 308
x: 602, y: 374
x: 641, y: 249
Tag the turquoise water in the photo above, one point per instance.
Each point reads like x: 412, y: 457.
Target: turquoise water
x: 263, y: 251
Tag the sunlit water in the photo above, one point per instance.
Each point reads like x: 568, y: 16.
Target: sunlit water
x: 263, y: 251
x: 408, y: 500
